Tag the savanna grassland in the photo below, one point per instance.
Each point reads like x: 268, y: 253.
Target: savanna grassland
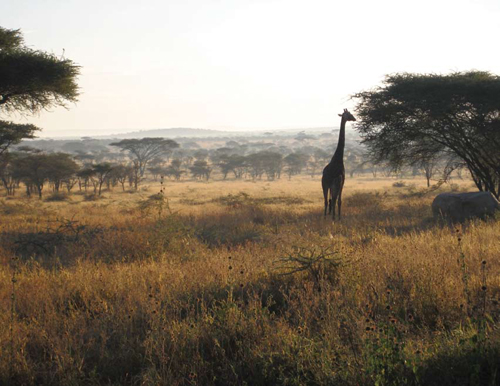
x: 245, y: 283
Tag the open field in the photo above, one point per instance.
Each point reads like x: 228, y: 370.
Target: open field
x: 245, y: 283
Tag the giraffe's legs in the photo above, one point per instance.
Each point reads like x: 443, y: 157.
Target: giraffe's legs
x: 336, y: 195
x: 333, y: 200
x: 325, y: 194
x: 339, y: 202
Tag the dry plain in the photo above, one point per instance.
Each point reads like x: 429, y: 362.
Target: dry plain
x: 241, y: 282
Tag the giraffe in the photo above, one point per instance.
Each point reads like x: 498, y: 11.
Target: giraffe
x: 334, y: 173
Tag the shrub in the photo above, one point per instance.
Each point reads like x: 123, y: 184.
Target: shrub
x: 57, y: 197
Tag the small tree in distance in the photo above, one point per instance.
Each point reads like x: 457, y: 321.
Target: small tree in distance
x: 295, y: 163
x: 13, y: 133
x: 60, y: 167
x: 142, y: 151
x: 101, y: 172
x: 175, y: 169
x: 200, y: 169
x: 121, y: 173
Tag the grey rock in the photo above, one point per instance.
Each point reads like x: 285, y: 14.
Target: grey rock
x: 463, y: 206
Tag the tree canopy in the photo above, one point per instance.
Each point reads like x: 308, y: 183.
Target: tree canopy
x: 29, y: 82
x: 33, y: 80
x: 142, y: 151
x: 13, y: 133
x: 413, y: 117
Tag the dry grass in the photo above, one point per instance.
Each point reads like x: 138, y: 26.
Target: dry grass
x: 108, y: 292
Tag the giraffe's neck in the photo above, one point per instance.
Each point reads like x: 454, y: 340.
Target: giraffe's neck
x: 338, y: 156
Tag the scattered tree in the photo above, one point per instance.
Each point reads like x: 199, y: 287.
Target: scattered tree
x: 13, y: 133
x: 101, y: 172
x: 121, y: 173
x: 272, y: 163
x: 200, y: 169
x: 295, y: 163
x: 255, y: 165
x: 142, y: 151
x: 413, y: 117
x: 175, y: 169
x: 9, y: 181
x: 84, y: 177
x: 33, y: 170
x: 60, y: 168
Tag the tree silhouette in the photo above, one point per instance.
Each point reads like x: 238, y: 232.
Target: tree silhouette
x: 200, y: 169
x: 295, y: 163
x: 13, y: 133
x: 412, y: 117
x: 33, y: 80
x: 142, y: 151
x: 101, y: 172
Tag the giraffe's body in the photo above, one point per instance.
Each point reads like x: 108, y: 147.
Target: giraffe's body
x: 334, y: 173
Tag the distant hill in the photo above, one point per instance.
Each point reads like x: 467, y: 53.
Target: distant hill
x: 209, y: 133
x: 175, y: 133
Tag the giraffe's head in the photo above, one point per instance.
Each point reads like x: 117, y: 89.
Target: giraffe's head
x: 347, y: 115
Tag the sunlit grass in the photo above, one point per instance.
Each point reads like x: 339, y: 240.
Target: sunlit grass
x: 114, y: 292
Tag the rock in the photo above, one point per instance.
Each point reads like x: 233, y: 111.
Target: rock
x: 462, y: 206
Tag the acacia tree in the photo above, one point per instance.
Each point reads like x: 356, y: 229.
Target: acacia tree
x: 121, y: 173
x: 200, y: 169
x: 413, y: 117
x: 7, y: 177
x: 101, y: 171
x: 30, y: 81
x: 85, y: 176
x: 175, y: 169
x: 318, y: 161
x: 143, y: 150
x: 13, y: 133
x: 60, y: 168
x: 33, y: 80
x: 273, y: 164
x: 232, y: 163
x: 295, y: 163
x: 255, y: 165
x: 33, y: 170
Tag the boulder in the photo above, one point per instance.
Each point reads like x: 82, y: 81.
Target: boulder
x: 462, y: 206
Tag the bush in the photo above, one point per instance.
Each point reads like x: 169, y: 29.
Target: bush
x: 57, y: 197
x: 363, y: 199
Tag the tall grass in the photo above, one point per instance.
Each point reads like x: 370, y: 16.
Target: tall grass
x: 257, y: 289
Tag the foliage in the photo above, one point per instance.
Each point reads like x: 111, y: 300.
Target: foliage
x: 122, y: 173
x: 413, y: 117
x: 37, y: 168
x: 175, y: 169
x: 295, y: 163
x: 386, y: 364
x: 60, y: 167
x: 143, y: 150
x: 33, y: 80
x: 33, y: 170
x: 200, y: 169
x: 13, y: 133
x: 155, y: 204
x: 102, y: 171
x: 321, y: 263
x: 273, y: 164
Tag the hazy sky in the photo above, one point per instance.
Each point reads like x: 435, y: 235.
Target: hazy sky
x: 243, y: 63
